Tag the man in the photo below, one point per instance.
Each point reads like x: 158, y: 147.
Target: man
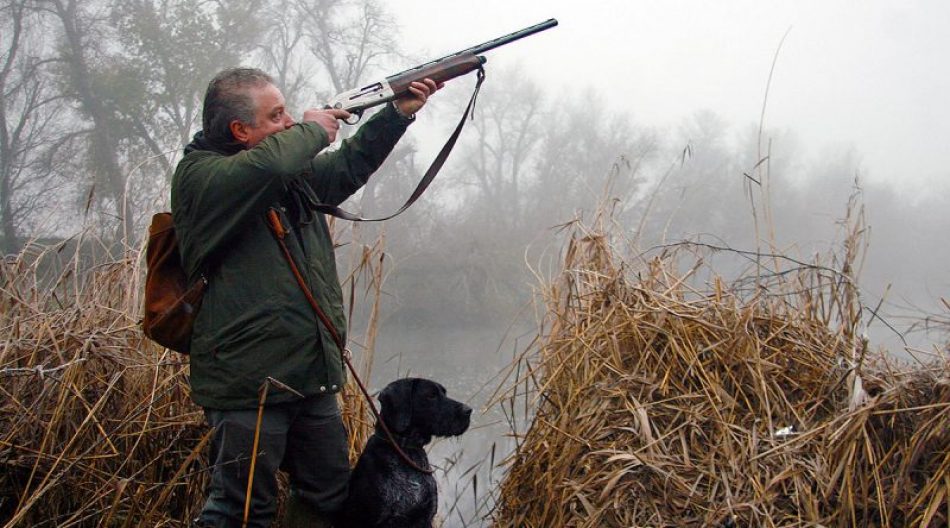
x: 254, y: 321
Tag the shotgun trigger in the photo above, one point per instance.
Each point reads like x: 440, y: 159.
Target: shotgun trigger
x: 355, y: 114
x: 354, y: 118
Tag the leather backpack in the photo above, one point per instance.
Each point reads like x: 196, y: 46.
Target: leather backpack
x: 171, y: 304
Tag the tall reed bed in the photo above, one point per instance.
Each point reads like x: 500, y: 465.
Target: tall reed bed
x: 96, y: 424
x: 660, y: 395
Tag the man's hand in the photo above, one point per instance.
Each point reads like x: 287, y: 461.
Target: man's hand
x: 326, y: 118
x: 419, y: 93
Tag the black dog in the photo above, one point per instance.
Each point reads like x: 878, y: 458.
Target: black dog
x: 385, y: 490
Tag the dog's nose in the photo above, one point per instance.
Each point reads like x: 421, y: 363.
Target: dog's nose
x: 466, y: 411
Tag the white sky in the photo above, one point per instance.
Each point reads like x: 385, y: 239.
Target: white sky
x: 869, y: 74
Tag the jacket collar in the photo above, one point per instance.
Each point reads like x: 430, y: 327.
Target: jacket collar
x: 203, y: 142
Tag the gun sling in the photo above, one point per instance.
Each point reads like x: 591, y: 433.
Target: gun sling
x: 429, y: 175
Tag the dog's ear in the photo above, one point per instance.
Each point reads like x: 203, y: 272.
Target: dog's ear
x: 396, y: 404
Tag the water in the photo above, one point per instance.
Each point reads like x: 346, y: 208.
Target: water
x: 468, y: 362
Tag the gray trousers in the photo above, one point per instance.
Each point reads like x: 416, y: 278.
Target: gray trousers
x: 305, y: 438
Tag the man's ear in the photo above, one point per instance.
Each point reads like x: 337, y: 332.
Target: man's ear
x: 239, y: 131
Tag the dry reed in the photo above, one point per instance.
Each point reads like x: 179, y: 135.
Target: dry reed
x: 654, y: 400
x: 96, y: 424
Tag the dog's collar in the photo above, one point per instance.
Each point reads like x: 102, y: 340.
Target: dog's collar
x: 397, y: 442
x: 403, y: 441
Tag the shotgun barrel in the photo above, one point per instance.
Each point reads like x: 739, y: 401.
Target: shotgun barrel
x: 440, y: 70
x: 487, y: 46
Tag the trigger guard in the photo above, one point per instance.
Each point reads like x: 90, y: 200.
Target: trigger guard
x: 354, y: 118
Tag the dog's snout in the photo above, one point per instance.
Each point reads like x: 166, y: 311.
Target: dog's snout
x: 464, y: 419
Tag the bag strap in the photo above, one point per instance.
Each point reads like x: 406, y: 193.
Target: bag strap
x: 273, y: 220
x: 429, y: 175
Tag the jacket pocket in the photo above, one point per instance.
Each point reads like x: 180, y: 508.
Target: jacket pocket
x: 246, y: 330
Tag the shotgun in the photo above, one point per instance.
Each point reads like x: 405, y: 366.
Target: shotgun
x: 356, y: 101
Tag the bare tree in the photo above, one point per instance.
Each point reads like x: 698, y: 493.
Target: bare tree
x: 501, y: 145
x: 29, y: 118
x: 328, y: 46
x: 581, y: 144
x: 282, y: 54
x: 83, y: 36
x: 348, y: 40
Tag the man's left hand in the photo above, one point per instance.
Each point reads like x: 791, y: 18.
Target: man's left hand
x: 419, y: 93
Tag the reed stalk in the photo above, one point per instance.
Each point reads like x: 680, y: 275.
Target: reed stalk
x: 661, y: 394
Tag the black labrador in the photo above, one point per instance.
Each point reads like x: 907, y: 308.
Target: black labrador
x: 385, y: 490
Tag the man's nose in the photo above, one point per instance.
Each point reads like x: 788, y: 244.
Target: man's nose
x: 288, y: 122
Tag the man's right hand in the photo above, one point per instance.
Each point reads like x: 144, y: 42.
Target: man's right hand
x: 328, y: 118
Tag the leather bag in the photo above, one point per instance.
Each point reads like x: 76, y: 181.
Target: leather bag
x: 171, y: 304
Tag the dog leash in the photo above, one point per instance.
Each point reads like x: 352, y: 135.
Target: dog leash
x: 279, y: 233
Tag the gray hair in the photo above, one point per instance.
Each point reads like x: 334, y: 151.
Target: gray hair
x: 227, y: 99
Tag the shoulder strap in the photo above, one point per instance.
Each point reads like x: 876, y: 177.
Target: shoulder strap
x: 434, y: 169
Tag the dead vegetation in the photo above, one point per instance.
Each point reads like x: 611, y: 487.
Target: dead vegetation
x: 96, y: 424
x: 659, y: 395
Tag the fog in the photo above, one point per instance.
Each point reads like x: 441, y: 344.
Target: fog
x: 863, y: 74
x: 665, y: 107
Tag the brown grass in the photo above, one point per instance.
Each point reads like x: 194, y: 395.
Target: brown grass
x: 655, y: 398
x: 96, y: 424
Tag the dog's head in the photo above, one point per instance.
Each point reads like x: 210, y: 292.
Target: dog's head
x: 418, y: 409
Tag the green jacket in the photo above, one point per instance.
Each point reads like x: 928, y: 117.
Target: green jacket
x: 254, y: 321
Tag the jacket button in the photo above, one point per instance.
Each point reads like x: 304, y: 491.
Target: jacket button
x: 323, y: 389
x: 333, y: 387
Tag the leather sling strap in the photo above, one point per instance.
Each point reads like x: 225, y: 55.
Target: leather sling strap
x: 280, y: 232
x: 427, y: 178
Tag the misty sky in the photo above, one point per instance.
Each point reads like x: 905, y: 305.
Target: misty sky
x: 871, y: 75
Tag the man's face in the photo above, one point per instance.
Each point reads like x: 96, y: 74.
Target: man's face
x: 270, y: 116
